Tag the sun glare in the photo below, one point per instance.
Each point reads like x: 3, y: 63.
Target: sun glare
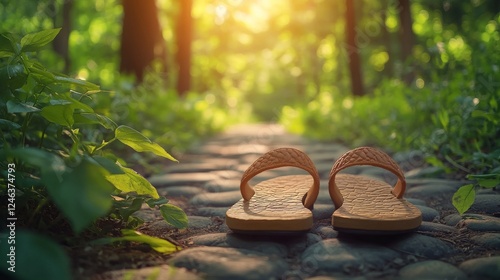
x: 253, y: 14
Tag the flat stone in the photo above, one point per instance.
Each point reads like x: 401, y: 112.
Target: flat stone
x: 222, y: 185
x: 416, y: 201
x: 482, y: 268
x: 431, y: 190
x: 324, y: 195
x: 297, y: 244
x: 428, y: 214
x: 422, y: 246
x: 212, y: 211
x: 228, y: 174
x: 216, y: 199
x: 435, y: 227
x: 488, y: 240
x: 197, y: 222
x: 181, y: 179
x: 229, y: 263
x: 194, y: 222
x: 155, y: 272
x: 429, y: 171
x: 324, y: 168
x: 323, y: 211
x: 179, y: 191
x: 326, y: 232
x: 334, y: 255
x: 431, y: 270
x: 205, y: 166
x: 232, y: 151
x: 481, y: 223
x: 436, y: 182
x: 148, y: 214
x: 409, y: 160
x: 453, y: 219
x: 260, y: 244
x: 487, y: 204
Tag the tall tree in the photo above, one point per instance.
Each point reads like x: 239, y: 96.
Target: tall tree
x: 184, y: 38
x: 407, y: 38
x: 142, y: 40
x: 352, y: 50
x: 61, y: 17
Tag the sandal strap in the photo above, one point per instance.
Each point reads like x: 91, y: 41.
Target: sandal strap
x: 278, y: 158
x: 365, y: 156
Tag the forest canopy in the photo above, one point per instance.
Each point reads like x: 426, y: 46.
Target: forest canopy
x: 295, y: 62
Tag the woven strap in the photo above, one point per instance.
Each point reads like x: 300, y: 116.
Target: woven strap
x: 279, y: 158
x: 365, y: 156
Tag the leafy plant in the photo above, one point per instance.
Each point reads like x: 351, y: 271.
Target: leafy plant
x: 58, y: 147
x: 465, y: 195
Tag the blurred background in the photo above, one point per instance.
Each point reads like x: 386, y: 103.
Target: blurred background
x: 400, y: 74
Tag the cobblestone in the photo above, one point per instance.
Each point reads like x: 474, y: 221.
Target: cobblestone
x: 445, y: 246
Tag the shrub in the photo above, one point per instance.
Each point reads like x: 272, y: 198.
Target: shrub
x: 56, y: 159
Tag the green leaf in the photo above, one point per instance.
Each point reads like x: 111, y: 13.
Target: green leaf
x: 59, y: 114
x: 8, y: 44
x: 158, y: 244
x: 110, y: 165
x: 71, y: 101
x: 83, y: 194
x: 13, y: 76
x: 50, y: 165
x: 139, y: 142
x: 83, y: 83
x: 444, y: 118
x: 464, y: 198
x: 490, y: 116
x: 488, y: 183
x: 35, y: 41
x: 132, y: 182
x: 8, y: 124
x: 127, y: 207
x: 4, y: 54
x: 156, y: 202
x: 93, y: 118
x: 40, y: 74
x: 36, y: 257
x: 174, y: 215
x: 18, y: 107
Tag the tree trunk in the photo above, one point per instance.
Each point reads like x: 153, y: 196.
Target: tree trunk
x: 184, y: 37
x: 63, y: 20
x: 407, y: 39
x: 142, y: 41
x: 352, y: 50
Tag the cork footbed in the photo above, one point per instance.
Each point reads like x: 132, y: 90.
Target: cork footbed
x: 366, y: 204
x: 369, y: 204
x: 276, y: 206
x: 279, y: 204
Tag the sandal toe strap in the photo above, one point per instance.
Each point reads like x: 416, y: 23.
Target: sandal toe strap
x: 278, y: 158
x: 365, y: 156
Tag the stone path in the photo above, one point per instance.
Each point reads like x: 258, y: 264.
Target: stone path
x: 446, y: 246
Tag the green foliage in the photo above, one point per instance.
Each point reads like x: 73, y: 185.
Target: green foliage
x: 158, y: 244
x: 37, y: 257
x: 451, y: 113
x: 59, y: 148
x: 464, y: 198
x: 176, y: 122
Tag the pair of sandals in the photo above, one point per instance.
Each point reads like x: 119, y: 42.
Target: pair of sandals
x: 362, y: 204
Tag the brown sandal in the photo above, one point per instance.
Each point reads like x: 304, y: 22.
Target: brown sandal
x: 281, y: 204
x: 363, y: 204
